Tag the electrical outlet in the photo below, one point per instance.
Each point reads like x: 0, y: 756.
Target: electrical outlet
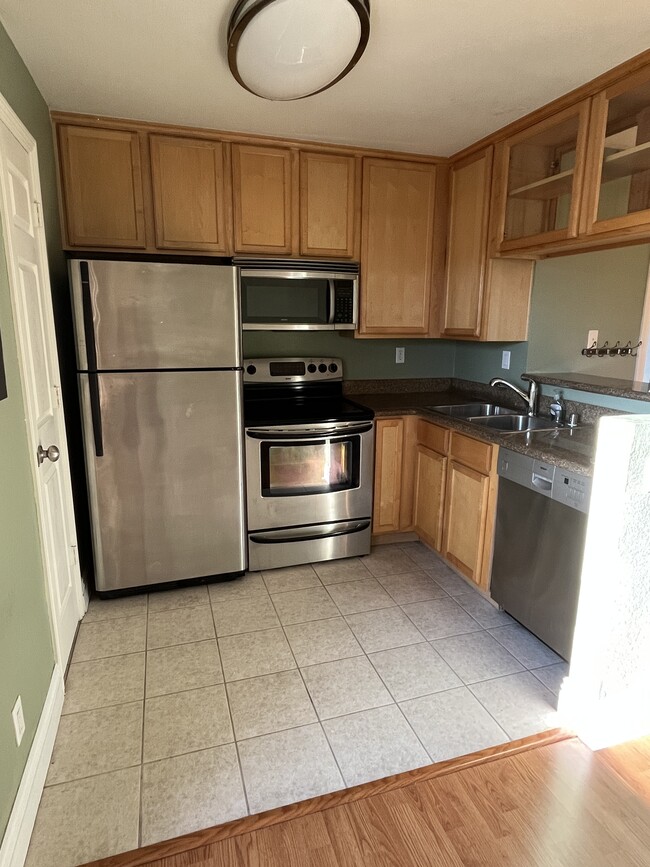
x: 505, y: 359
x: 592, y: 338
x: 19, y: 720
x: 400, y: 354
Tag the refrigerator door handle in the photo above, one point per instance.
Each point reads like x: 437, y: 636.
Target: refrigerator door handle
x: 89, y: 325
x: 96, y: 413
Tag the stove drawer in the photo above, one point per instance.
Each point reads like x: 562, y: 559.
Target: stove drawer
x: 296, y: 545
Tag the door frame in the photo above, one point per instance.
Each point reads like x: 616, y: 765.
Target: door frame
x: 11, y: 120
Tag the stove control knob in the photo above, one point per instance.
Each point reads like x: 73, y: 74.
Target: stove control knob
x: 322, y: 368
x: 251, y: 369
x: 333, y: 368
x: 311, y: 368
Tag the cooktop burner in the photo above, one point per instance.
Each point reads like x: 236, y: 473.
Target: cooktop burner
x: 279, y: 391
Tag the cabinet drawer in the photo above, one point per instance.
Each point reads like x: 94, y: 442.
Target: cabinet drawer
x: 471, y: 453
x: 433, y: 436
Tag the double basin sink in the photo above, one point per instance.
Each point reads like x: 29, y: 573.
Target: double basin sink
x: 494, y: 417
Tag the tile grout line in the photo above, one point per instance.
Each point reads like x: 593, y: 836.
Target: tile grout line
x: 390, y: 692
x: 311, y: 699
x: 144, y: 708
x: 230, y: 716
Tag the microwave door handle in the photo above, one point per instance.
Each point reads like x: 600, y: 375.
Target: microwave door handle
x: 332, y: 302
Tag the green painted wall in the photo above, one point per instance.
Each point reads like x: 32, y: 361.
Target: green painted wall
x: 362, y: 359
x: 25, y: 639
x: 573, y: 294
x: 481, y: 361
x: 26, y: 655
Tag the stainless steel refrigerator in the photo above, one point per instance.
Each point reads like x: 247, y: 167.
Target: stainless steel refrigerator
x: 159, y: 359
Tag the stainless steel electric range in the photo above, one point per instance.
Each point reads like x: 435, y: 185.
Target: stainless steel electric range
x: 309, y: 459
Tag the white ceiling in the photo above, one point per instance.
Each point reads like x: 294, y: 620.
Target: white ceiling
x: 435, y: 76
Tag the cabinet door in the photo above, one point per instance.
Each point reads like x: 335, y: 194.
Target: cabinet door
x: 539, y: 182
x: 431, y: 472
x: 328, y: 205
x: 467, y: 245
x: 189, y: 194
x: 619, y: 166
x: 101, y: 184
x: 389, y: 444
x: 396, y: 247
x: 262, y: 199
x: 466, y: 519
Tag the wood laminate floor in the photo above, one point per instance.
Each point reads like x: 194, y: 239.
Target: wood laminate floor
x: 558, y: 805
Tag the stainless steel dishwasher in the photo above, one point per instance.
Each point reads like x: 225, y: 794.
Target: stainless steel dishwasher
x: 539, y: 540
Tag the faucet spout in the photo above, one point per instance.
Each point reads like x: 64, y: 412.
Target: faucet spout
x: 531, y: 399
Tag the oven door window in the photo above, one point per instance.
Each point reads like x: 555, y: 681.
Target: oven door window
x: 292, y: 469
x: 278, y: 300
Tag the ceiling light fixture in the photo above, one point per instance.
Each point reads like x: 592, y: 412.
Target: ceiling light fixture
x: 289, y: 49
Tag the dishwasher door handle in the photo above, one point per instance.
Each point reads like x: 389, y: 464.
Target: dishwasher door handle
x: 542, y: 484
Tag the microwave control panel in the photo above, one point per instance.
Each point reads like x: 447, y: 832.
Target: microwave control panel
x: 344, y: 304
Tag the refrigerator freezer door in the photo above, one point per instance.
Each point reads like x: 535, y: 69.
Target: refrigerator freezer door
x: 155, y: 315
x: 167, y: 494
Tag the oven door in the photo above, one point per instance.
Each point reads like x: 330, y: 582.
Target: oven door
x: 313, y: 474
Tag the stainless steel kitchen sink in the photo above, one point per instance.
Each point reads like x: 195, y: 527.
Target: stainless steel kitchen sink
x: 514, y: 423
x: 473, y: 410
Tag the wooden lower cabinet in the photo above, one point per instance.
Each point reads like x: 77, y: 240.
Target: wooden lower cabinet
x: 443, y: 485
x: 470, y: 504
x: 466, y: 505
x: 389, y: 440
x: 394, y: 474
x: 430, y: 478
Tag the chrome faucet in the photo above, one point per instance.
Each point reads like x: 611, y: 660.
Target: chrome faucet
x: 531, y: 399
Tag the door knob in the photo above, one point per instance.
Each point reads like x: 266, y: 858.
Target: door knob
x: 53, y: 454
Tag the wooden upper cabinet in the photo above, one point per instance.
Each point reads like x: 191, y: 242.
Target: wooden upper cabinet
x: 101, y: 184
x: 397, y: 246
x: 618, y: 173
x: 262, y: 199
x: 539, y: 178
x: 469, y: 208
x: 329, y: 205
x: 189, y: 194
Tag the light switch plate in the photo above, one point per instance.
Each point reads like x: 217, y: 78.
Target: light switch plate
x: 592, y: 338
x: 505, y: 359
x: 400, y: 354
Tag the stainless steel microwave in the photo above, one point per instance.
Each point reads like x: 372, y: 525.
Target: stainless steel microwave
x: 294, y: 295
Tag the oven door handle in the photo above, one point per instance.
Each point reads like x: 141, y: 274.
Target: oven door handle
x: 308, y: 534
x: 274, y: 434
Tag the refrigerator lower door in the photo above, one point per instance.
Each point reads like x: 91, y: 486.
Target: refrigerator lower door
x: 165, y: 471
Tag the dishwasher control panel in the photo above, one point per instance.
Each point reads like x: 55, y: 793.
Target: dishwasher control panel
x: 572, y: 489
x: 566, y: 487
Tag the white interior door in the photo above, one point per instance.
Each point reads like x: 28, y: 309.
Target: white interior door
x: 34, y: 323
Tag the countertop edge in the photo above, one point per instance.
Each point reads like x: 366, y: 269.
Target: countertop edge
x: 515, y: 442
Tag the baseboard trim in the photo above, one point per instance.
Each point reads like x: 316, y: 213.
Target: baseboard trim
x: 15, y: 842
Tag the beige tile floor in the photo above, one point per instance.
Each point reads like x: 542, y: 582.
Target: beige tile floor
x: 192, y: 707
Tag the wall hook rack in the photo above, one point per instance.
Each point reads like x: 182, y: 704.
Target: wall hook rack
x: 606, y: 349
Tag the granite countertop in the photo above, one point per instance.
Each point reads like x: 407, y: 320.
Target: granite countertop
x: 569, y: 449
x: 608, y: 385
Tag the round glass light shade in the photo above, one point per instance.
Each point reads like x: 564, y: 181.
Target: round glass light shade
x: 288, y: 49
